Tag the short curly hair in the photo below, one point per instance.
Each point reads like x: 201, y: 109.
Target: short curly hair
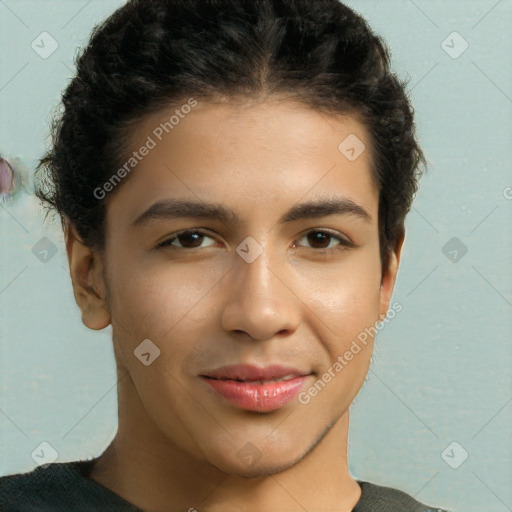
x: 152, y: 55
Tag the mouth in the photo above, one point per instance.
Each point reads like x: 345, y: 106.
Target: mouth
x: 259, y: 389
x: 261, y: 380
x: 249, y: 373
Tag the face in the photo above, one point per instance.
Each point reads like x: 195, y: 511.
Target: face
x: 271, y: 281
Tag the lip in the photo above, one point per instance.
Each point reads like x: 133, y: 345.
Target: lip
x: 249, y: 372
x: 249, y: 387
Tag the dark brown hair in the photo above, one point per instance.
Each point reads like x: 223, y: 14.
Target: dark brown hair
x: 149, y: 55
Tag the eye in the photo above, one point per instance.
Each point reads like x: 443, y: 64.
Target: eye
x: 189, y: 239
x: 193, y: 238
x: 325, y: 240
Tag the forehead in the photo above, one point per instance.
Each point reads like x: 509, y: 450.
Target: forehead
x: 248, y: 156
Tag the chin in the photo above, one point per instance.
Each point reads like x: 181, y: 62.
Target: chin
x: 259, y: 469
x: 250, y: 462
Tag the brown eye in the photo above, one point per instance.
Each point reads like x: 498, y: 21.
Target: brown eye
x: 191, y: 239
x: 320, y: 239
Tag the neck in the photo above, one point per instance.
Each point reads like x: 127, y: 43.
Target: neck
x: 147, y: 469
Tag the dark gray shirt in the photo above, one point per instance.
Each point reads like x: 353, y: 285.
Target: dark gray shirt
x: 65, y: 487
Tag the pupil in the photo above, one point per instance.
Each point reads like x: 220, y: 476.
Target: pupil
x: 191, y: 236
x: 318, y: 237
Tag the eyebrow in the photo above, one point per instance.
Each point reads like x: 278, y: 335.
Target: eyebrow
x: 178, y: 208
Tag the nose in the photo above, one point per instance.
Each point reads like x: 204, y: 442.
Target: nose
x: 262, y: 302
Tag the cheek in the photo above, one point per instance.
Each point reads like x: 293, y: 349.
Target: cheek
x: 345, y: 295
x: 157, y: 303
x: 347, y: 318
x: 344, y: 307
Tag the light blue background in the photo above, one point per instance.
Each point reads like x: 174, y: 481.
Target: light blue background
x: 442, y: 367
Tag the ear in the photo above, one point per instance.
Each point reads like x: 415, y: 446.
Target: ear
x: 389, y: 275
x: 89, y: 287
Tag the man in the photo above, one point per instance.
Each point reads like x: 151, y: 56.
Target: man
x: 232, y: 179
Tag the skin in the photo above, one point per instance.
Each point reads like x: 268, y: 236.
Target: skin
x: 177, y: 441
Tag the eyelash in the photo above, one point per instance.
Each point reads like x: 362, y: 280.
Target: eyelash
x: 344, y: 244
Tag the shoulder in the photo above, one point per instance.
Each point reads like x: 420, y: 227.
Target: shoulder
x: 57, y: 486
x: 376, y: 498
x: 34, y: 490
x: 43, y: 488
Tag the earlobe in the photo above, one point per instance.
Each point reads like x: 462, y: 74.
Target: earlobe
x: 89, y: 287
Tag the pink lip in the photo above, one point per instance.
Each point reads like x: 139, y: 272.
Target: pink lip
x: 254, y: 394
x: 261, y: 397
x: 250, y: 372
